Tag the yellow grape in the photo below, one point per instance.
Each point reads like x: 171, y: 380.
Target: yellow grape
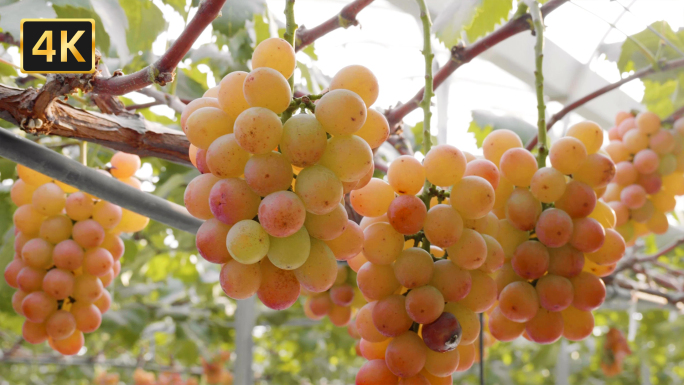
x: 546, y: 327
x: 348, y: 244
x: 60, y: 325
x: 319, y: 189
x: 413, y: 268
x: 131, y: 222
x: 617, y: 151
x: 443, y: 225
x: 646, y: 161
x: 376, y: 281
x: 240, y: 281
x: 407, y: 214
x: 662, y: 142
x: 519, y: 301
x: 567, y: 154
x: 30, y: 279
x: 596, y: 171
x: 604, y: 214
x: 282, y: 213
x: 196, y: 196
x: 319, y: 271
x: 124, y: 165
x: 268, y: 173
x: 225, y: 158
x: 547, y: 185
x: 348, y: 156
x: 88, y: 317
x: 466, y: 360
x: 97, y: 261
x: 633, y: 196
x: 382, y: 244
x: 267, y: 88
x: 509, y: 237
x: 674, y: 184
x: 275, y: 53
x: 194, y: 106
x: 88, y: 233
x: 502, y: 328
x: 211, y: 241
x: 424, y: 304
x: 290, y: 252
x: 498, y: 142
x: 34, y: 332
x: 406, y: 175
x: 470, y: 252
x: 523, y: 209
x: 635, y: 141
x: 279, y: 288
x: 441, y: 364
x: 206, y: 124
x: 390, y: 316
x: 58, y: 283
x: 587, y: 235
x: 37, y: 253
x: 358, y: 79
x: 611, y: 251
x: 554, y: 228
x: 375, y: 130
x: 56, y: 228
x: 211, y: 92
x: 483, y: 293
x: 664, y: 201
x: 341, y: 112
x: 495, y: 255
x: 328, y: 226
x: 444, y: 165
x: 648, y: 122
x: 518, y: 166
x: 258, y: 130
x: 489, y: 224
x: 231, y: 97
x: 406, y: 355
x: 67, y: 188
x: 247, y: 242
x: 87, y: 288
x: 589, y: 291
x: 503, y: 190
x: 473, y: 197
x: 49, y: 199
x: 231, y: 200
x: 578, y: 324
x: 107, y: 214
x: 21, y: 192
x: 658, y: 223
x: 625, y: 173
x: 303, y: 140
x: 578, y: 200
x: 668, y: 164
x: 485, y: 169
x: 32, y: 177
x: 355, y: 263
x: 373, y: 200
x: 453, y: 282
x: 589, y: 133
x: 365, y: 325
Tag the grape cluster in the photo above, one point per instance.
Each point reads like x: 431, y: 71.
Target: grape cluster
x: 557, y: 236
x: 142, y: 377
x: 67, y: 251
x: 426, y: 273
x: 650, y: 173
x: 272, y: 193
x: 339, y: 303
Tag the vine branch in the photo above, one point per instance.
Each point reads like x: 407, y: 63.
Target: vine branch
x: 538, y: 23
x: 162, y: 70
x: 461, y: 55
x: 428, y: 93
x: 344, y: 19
x: 672, y: 64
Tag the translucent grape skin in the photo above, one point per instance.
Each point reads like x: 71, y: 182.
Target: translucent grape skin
x: 578, y: 324
x: 453, y: 282
x: 247, y: 242
x: 330, y: 226
x: 406, y: 175
x: 414, y: 268
x: 382, y: 243
x: 424, y: 304
x: 518, y: 166
x: 319, y: 189
x: 406, y: 355
x: 589, y: 291
x: 225, y: 158
x: 211, y: 241
x: 348, y: 156
x: 319, y: 271
x: 376, y: 281
x: 565, y: 261
x: 341, y: 112
x: 240, y: 281
x: 303, y: 140
x: 231, y: 200
x: 444, y: 165
x: 578, y: 201
x: 596, y: 171
x: 523, y: 209
x: 267, y: 88
x: 374, y: 199
x: 258, y: 130
x: 206, y: 124
x: 545, y: 327
x: 348, y: 244
x: 483, y: 292
x: 194, y: 106
x: 390, y: 317
x: 470, y: 252
x: 290, y: 252
x: 555, y: 292
x: 376, y: 372
x: 358, y: 79
x: 554, y: 228
x: 519, y: 301
x: 58, y: 283
x: 476, y: 197
x: 365, y: 325
x: 196, y: 196
x: 567, y: 154
x: 275, y: 53
x: 498, y: 142
x: 484, y: 169
x: 443, y: 225
x: 375, y: 130
x: 502, y: 328
x: 530, y: 260
x: 282, y: 214
x: 268, y: 173
x: 279, y: 288
x: 407, y: 214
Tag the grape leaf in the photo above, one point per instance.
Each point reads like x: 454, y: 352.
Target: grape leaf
x: 262, y: 27
x: 449, y: 24
x: 69, y: 11
x: 479, y: 132
x: 191, y: 83
x: 145, y: 23
x: 178, y: 6
x: 11, y: 15
x: 658, y: 97
x: 524, y: 129
x: 490, y: 14
x: 235, y: 13
x: 633, y: 58
x: 115, y: 22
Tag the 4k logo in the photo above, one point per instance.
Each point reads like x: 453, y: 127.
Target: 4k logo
x: 57, y: 45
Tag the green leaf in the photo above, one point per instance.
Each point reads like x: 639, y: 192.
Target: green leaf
x: 310, y: 51
x: 524, y: 130
x: 658, y: 97
x: 145, y: 23
x: 633, y: 58
x: 115, y: 22
x: 417, y: 132
x: 490, y: 14
x: 240, y: 46
x: 191, y: 83
x: 479, y: 132
x: 178, y: 6
x: 451, y: 21
x: 262, y: 27
x: 235, y: 13
x: 7, y: 70
x: 11, y: 15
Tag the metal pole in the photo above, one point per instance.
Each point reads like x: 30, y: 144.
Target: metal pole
x: 482, y: 374
x: 245, y: 320
x: 63, y: 169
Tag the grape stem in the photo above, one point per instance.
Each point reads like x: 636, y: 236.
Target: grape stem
x: 290, y: 31
x: 304, y: 102
x: 538, y: 25
x: 83, y: 147
x: 428, y: 93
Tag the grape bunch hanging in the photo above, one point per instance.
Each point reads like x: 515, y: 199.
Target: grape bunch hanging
x: 271, y: 194
x: 67, y: 251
